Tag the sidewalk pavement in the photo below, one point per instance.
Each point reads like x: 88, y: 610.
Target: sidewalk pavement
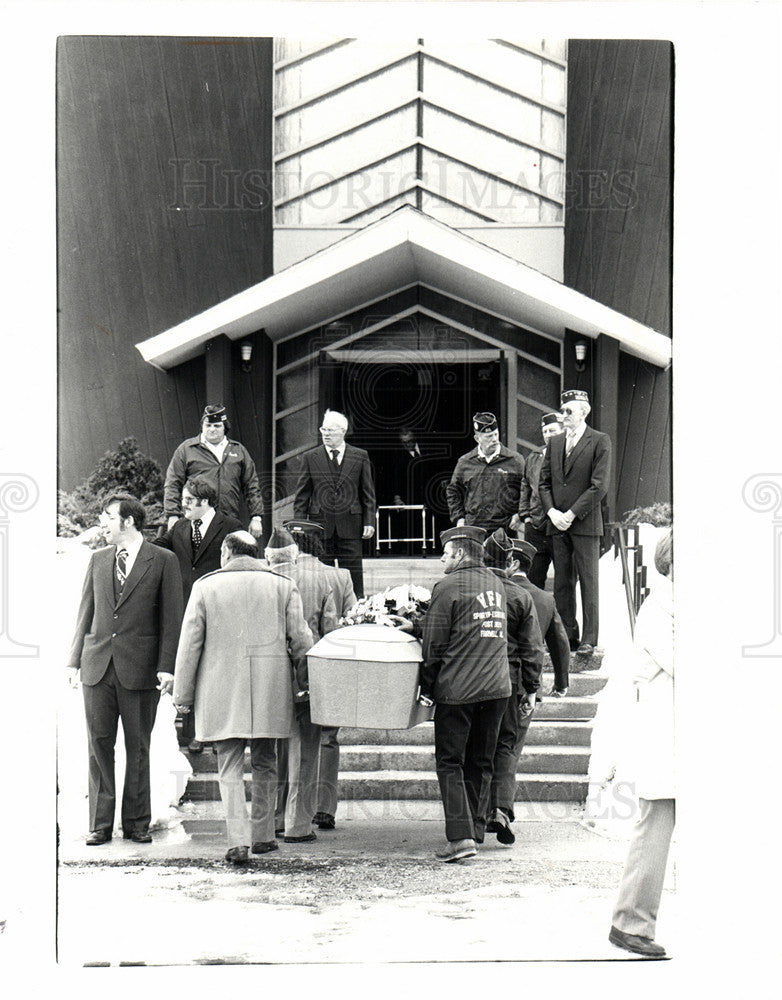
x: 368, y: 892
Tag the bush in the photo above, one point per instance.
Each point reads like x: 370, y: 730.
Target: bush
x: 126, y: 469
x: 658, y: 514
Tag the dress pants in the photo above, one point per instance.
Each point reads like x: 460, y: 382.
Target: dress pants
x: 641, y: 888
x: 465, y: 738
x: 105, y: 703
x: 348, y: 551
x: 297, y: 770
x: 577, y: 554
x: 544, y: 554
x: 243, y: 832
x: 510, y: 743
x: 328, y: 774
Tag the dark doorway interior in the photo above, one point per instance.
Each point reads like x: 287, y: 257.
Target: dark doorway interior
x: 434, y: 399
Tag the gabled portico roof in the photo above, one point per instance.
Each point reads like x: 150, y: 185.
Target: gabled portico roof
x: 405, y: 247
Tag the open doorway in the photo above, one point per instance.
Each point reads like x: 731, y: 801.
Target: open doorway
x: 430, y: 395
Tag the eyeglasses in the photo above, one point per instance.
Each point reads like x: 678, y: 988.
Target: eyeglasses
x: 567, y: 410
x: 329, y: 430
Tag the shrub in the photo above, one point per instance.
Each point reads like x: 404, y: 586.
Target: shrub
x: 126, y: 469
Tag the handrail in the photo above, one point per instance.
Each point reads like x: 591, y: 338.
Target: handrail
x: 620, y: 544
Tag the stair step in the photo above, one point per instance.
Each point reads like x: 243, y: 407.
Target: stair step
x: 563, y: 760
x: 423, y: 785
x: 542, y: 732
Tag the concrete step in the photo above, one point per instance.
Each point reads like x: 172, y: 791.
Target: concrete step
x: 588, y: 682
x: 403, y: 785
x: 535, y: 760
x: 564, y: 732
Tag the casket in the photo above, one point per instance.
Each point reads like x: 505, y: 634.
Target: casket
x: 366, y: 676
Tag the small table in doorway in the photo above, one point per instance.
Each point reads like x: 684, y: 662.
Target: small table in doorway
x: 424, y: 539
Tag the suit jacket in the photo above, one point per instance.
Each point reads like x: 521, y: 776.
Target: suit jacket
x: 342, y: 503
x: 578, y: 484
x: 140, y: 631
x: 341, y: 587
x: 179, y: 541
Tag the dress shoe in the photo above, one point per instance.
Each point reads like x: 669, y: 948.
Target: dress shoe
x: 500, y: 824
x: 457, y: 849
x: 585, y: 649
x: 306, y: 839
x: 636, y: 943
x: 325, y: 821
x: 553, y: 693
x: 237, y: 855
x: 98, y: 837
x: 279, y: 833
x: 138, y: 836
x: 195, y: 746
x: 265, y: 846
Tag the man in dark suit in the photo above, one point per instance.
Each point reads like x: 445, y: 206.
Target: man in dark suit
x: 573, y: 481
x: 196, y: 540
x: 336, y: 489
x: 125, y: 645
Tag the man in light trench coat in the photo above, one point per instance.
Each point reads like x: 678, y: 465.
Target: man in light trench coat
x: 242, y: 654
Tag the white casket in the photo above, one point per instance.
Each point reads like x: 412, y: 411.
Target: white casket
x: 366, y: 676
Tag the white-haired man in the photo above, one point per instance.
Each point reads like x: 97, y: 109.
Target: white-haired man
x: 336, y: 489
x: 573, y: 481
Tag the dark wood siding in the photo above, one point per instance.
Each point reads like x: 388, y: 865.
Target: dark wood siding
x: 618, y: 230
x: 137, y: 251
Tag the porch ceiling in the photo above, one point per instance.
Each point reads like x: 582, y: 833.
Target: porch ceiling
x: 404, y: 247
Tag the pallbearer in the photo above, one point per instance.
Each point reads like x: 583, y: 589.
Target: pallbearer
x: 465, y: 672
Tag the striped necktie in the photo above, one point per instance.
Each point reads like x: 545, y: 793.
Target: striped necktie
x: 570, y: 443
x: 122, y: 567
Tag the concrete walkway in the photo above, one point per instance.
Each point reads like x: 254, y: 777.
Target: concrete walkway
x: 368, y: 892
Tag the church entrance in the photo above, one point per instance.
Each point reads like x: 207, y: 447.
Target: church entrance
x: 412, y: 411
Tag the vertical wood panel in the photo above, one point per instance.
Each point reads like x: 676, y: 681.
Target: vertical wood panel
x: 129, y: 263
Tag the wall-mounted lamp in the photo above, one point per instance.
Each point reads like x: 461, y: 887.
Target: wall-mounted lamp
x: 246, y: 350
x: 581, y: 353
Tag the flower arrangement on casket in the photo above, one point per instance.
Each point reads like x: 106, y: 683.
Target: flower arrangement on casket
x: 365, y: 673
x: 400, y: 607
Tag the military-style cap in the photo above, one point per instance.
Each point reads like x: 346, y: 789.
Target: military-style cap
x: 214, y: 414
x: 523, y: 551
x: 571, y: 395
x: 550, y: 418
x: 303, y: 527
x: 465, y: 531
x: 280, y: 539
x: 484, y: 422
x: 498, y: 544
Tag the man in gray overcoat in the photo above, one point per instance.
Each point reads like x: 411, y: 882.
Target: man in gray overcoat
x: 241, y: 657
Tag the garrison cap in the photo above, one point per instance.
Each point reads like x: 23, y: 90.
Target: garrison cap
x: 523, y: 551
x: 465, y: 531
x: 303, y: 528
x: 280, y: 539
x: 498, y: 543
x: 484, y: 421
x: 214, y: 414
x: 550, y: 418
x: 574, y: 395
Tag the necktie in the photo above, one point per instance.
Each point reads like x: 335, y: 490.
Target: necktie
x: 334, y: 462
x: 571, y: 438
x: 196, y: 532
x: 122, y: 566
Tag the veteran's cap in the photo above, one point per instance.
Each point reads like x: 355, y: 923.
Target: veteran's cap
x: 280, y: 538
x: 550, y: 418
x: 214, y: 414
x: 484, y: 421
x: 523, y: 551
x: 465, y: 531
x: 498, y: 544
x: 574, y: 395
